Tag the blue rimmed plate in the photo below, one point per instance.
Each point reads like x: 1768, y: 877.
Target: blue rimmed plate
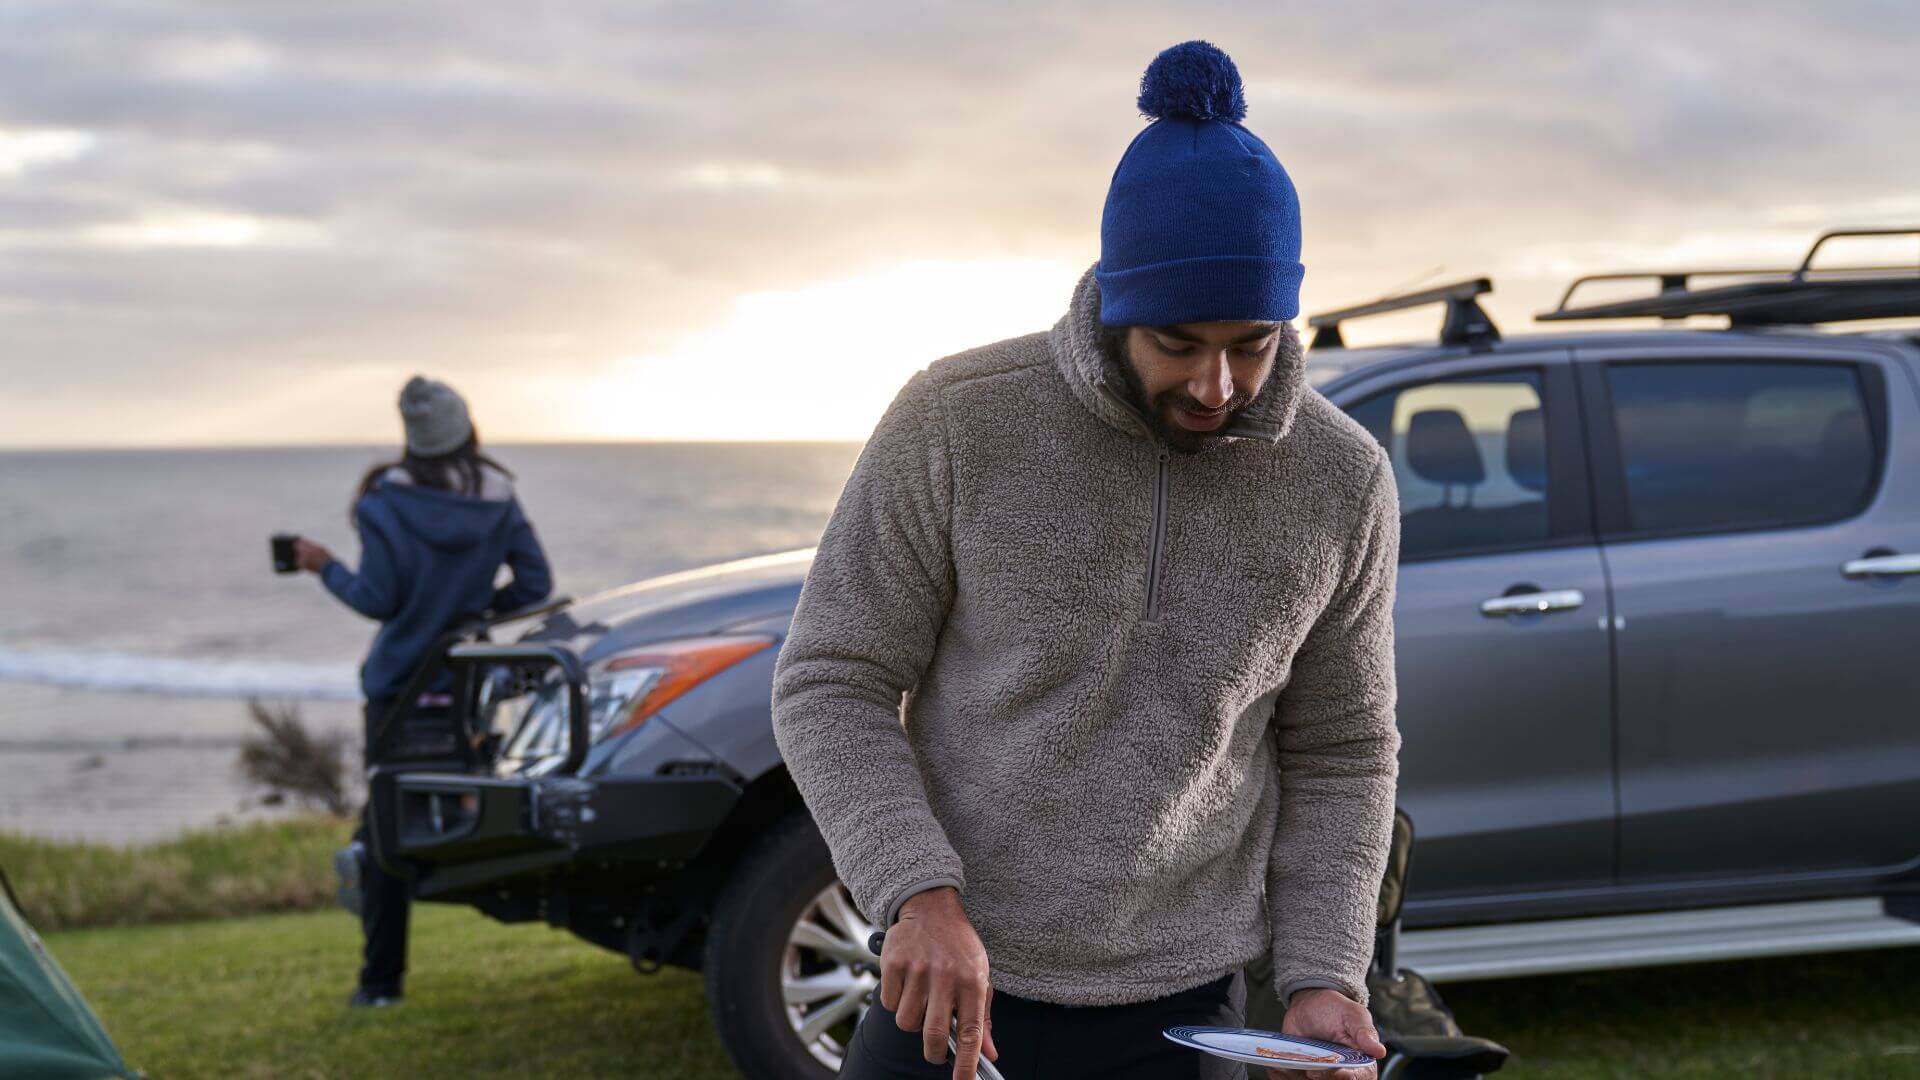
x: 1267, y: 1048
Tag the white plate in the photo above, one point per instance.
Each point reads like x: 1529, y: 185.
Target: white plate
x: 1266, y: 1048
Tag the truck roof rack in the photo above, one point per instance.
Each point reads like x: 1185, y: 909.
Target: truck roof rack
x: 1466, y: 323
x: 1768, y: 297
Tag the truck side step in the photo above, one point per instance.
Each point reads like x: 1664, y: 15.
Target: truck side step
x: 1627, y: 941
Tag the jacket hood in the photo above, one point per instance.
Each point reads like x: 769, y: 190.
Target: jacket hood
x: 1101, y: 386
x: 446, y: 519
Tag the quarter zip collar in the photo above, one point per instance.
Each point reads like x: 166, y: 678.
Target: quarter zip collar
x: 1098, y: 383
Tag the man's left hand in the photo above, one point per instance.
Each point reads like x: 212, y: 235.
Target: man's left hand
x: 1334, y: 1017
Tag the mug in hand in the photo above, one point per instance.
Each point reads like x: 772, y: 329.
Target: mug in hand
x: 283, y: 553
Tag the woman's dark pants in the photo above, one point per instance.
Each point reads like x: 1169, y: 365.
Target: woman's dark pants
x: 1037, y: 1039
x: 384, y: 902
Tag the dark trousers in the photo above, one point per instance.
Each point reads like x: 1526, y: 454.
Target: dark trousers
x: 385, y: 904
x: 1037, y: 1039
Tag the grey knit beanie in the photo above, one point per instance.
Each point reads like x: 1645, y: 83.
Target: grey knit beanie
x: 435, y: 416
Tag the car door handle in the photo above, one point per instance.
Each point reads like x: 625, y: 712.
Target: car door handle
x: 1881, y: 566
x: 1533, y: 603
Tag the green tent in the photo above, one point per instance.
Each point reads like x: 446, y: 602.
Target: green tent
x: 46, y: 1029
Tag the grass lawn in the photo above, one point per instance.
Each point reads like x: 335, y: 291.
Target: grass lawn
x: 1843, y: 1015
x: 206, y: 874
x: 264, y: 996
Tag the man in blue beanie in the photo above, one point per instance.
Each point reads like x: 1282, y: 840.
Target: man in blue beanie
x: 1090, y: 687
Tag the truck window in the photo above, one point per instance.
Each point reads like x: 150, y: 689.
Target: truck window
x: 1731, y: 445
x: 1470, y: 459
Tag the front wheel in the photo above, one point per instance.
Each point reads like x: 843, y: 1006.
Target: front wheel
x: 787, y: 967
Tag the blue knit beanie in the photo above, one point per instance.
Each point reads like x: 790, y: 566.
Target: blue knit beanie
x: 1201, y: 222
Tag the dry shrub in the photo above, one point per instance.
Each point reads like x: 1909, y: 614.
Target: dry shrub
x: 288, y: 759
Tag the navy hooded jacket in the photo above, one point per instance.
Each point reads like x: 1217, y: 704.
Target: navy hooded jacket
x: 427, y: 558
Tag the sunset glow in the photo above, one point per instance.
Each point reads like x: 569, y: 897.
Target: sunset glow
x: 247, y: 228
x: 820, y: 361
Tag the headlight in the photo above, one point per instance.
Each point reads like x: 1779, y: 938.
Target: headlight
x: 612, y: 690
x: 626, y: 689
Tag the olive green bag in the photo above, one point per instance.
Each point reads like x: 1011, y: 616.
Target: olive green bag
x: 1422, y: 1037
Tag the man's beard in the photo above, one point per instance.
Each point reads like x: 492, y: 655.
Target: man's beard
x: 1155, y: 411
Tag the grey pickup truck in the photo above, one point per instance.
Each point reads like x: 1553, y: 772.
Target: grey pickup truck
x: 1659, y: 690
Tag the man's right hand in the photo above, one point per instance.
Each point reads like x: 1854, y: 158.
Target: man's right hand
x: 933, y: 966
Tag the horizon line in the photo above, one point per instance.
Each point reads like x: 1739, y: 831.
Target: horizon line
x: 108, y: 448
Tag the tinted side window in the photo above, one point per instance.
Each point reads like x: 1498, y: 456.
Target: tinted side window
x: 1470, y: 458
x: 1740, y: 445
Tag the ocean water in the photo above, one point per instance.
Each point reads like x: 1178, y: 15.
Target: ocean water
x: 138, y: 609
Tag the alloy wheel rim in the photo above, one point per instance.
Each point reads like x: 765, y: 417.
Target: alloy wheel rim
x: 827, y: 975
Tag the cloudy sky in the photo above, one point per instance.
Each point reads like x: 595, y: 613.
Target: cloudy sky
x: 227, y: 223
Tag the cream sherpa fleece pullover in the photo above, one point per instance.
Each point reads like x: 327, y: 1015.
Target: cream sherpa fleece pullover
x: 1148, y: 719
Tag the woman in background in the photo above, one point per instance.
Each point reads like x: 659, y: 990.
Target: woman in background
x: 435, y: 527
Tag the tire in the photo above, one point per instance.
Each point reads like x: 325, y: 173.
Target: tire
x: 785, y: 920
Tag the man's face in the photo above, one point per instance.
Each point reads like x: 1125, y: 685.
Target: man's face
x: 1192, y: 378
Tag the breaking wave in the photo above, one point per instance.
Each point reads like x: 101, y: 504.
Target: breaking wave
x: 179, y: 676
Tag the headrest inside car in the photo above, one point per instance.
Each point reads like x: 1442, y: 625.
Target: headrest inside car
x: 1440, y: 449
x: 1527, y: 449
x: 1845, y: 445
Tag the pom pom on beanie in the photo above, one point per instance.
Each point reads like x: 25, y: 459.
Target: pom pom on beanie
x: 1193, y: 80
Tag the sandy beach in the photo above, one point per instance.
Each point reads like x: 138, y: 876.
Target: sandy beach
x: 125, y: 768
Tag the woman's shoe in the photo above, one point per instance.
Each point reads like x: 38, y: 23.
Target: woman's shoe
x: 349, y: 866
